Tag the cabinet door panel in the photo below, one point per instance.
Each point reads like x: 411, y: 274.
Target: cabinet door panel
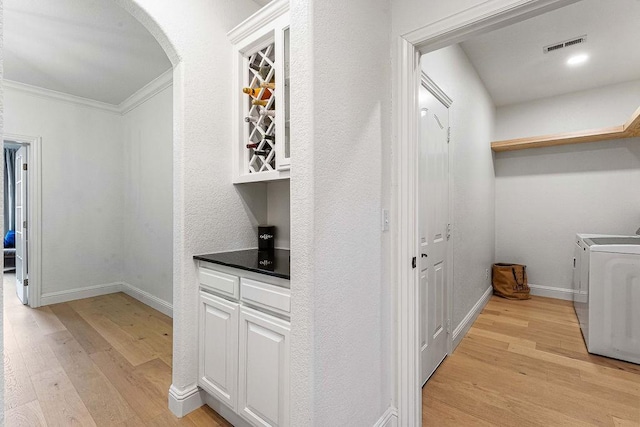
x: 218, y: 370
x: 264, y: 369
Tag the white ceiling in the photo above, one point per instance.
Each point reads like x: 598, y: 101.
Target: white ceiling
x: 513, y: 68
x: 88, y: 48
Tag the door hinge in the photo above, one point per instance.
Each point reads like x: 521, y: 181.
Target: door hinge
x: 449, y: 134
x: 24, y: 224
x: 24, y: 166
x: 413, y: 262
x: 25, y: 282
x: 448, y: 326
x: 448, y: 231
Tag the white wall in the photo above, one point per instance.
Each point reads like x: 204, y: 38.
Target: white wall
x: 545, y: 196
x: 471, y: 119
x: 82, y: 179
x: 278, y: 211
x: 147, y: 232
x: 209, y: 214
x: 107, y: 195
x: 590, y: 109
x: 341, y: 326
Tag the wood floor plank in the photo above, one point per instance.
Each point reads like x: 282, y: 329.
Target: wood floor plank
x: 47, y: 321
x: 168, y: 419
x: 10, y: 342
x: 144, y: 328
x: 27, y: 415
x: 156, y: 372
x: 513, y: 396
x: 59, y: 400
x: 131, y: 422
x: 17, y: 382
x: 38, y: 357
x: 525, y: 363
x: 204, y: 416
x: 25, y: 328
x: 449, y: 416
x: 100, y: 397
x: 160, y: 316
x: 90, y: 340
x: 142, y: 395
x: 136, y: 351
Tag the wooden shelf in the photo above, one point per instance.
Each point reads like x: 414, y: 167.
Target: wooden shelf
x: 628, y: 130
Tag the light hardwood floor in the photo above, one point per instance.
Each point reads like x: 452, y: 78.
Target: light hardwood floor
x: 524, y: 363
x: 102, y: 361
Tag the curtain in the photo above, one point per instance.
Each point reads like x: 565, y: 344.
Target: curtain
x: 9, y: 189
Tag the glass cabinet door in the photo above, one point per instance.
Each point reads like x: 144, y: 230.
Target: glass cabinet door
x: 283, y: 159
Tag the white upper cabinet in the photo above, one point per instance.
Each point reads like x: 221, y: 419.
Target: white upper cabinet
x: 260, y: 137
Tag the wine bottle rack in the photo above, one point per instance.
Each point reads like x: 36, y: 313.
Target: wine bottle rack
x: 262, y: 70
x: 260, y: 118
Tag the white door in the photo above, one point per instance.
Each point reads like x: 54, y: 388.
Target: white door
x: 433, y: 214
x: 263, y: 394
x: 21, y: 226
x: 218, y: 370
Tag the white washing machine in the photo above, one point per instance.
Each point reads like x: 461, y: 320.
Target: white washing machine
x: 606, y: 282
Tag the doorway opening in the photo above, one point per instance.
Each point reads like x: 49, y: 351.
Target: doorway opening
x: 21, y: 229
x: 520, y: 100
x: 412, y: 45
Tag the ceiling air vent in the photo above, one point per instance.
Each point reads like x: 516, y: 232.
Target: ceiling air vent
x: 566, y: 43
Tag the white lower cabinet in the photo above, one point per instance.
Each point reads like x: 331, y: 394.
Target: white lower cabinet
x: 244, y: 350
x: 263, y: 391
x: 218, y: 361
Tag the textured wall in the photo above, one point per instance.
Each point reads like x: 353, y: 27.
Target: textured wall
x: 209, y: 214
x: 341, y: 111
x: 278, y: 211
x: 590, y: 109
x: 471, y: 120
x: 585, y: 188
x: 147, y: 233
x: 82, y: 184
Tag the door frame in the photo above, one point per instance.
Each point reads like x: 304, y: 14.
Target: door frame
x: 435, y: 90
x: 34, y: 213
x: 483, y: 17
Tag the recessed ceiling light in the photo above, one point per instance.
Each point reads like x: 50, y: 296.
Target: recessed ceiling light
x: 578, y: 59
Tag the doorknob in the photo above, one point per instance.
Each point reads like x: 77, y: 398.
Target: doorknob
x: 424, y: 255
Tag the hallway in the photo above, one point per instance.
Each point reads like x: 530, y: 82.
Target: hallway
x: 102, y: 361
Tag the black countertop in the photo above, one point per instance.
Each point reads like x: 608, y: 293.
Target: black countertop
x: 275, y: 263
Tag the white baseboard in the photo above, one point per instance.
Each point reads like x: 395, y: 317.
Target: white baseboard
x: 105, y: 289
x: 74, y: 294
x: 461, y: 330
x: 552, y: 292
x: 388, y: 419
x: 184, y: 401
x: 148, y: 299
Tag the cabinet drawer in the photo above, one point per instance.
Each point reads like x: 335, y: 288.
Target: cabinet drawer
x: 221, y: 283
x: 267, y: 296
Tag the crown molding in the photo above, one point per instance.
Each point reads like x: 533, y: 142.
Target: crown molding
x: 256, y: 21
x: 150, y: 90
x: 60, y: 96
x: 147, y: 92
